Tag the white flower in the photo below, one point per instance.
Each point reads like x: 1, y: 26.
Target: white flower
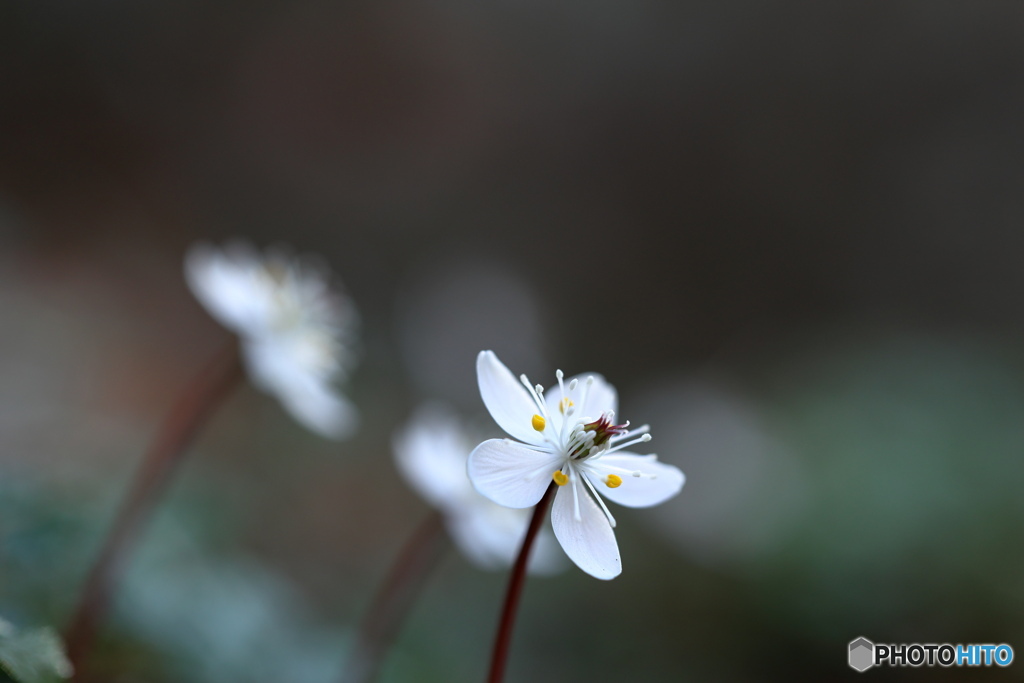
x: 567, y: 435
x: 431, y: 453
x: 296, y: 330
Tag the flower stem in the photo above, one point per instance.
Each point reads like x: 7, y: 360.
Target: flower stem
x: 180, y: 426
x: 515, y: 588
x: 394, y: 599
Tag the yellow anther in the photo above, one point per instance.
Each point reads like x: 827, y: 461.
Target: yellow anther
x: 613, y: 481
x: 538, y: 423
x: 560, y: 478
x: 564, y: 405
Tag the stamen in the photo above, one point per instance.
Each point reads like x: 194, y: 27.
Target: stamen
x: 538, y: 423
x: 623, y: 471
x: 565, y: 420
x: 561, y: 385
x: 613, y: 481
x: 600, y: 501
x: 586, y: 390
x: 642, y: 429
x: 534, y: 394
x: 572, y: 436
x: 565, y: 404
x: 560, y: 478
x: 572, y: 384
x: 579, y: 439
x: 643, y: 438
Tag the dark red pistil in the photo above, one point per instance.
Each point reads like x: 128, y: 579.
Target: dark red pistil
x: 603, y: 431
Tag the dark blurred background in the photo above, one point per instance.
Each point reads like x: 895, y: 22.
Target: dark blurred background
x: 788, y: 232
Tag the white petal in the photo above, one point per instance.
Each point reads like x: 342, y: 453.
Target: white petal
x: 510, y: 473
x: 227, y: 284
x: 431, y: 453
x: 657, y: 481
x: 485, y: 541
x: 590, y: 541
x: 270, y: 366
x: 490, y: 536
x: 274, y: 369
x: 601, y: 396
x: 305, y: 392
x: 506, y: 398
x: 322, y: 409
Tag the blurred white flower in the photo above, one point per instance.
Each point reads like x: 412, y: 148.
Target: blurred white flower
x: 568, y: 436
x: 431, y: 453
x: 35, y: 655
x: 296, y: 327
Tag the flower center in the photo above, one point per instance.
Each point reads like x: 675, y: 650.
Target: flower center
x: 573, y: 437
x: 604, y: 430
x: 593, y: 437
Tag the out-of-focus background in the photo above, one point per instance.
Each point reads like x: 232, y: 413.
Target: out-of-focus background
x: 789, y: 233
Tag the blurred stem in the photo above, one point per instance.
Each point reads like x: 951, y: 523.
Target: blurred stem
x: 187, y: 416
x: 515, y: 589
x: 394, y: 599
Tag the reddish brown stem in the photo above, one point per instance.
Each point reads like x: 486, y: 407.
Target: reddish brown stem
x: 187, y: 416
x: 515, y: 589
x: 394, y: 599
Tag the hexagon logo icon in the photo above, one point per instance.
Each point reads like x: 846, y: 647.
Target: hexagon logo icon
x: 862, y: 654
